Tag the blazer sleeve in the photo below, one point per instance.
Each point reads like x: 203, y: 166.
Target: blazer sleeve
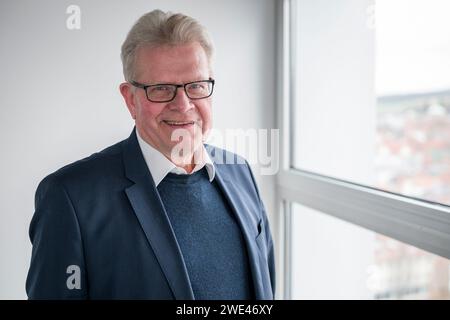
x: 57, y: 269
x: 269, y: 240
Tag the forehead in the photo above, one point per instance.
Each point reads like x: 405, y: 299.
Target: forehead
x: 181, y: 63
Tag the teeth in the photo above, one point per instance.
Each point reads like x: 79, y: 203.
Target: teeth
x: 178, y: 123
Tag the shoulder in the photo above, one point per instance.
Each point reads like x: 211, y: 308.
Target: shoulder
x: 87, y: 172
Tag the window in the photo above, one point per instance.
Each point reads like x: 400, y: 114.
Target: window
x: 365, y: 129
x: 333, y: 259
x: 373, y: 93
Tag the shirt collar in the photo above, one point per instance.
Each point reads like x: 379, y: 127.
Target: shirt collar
x: 159, y: 166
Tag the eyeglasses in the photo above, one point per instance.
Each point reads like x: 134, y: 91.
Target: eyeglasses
x: 166, y: 92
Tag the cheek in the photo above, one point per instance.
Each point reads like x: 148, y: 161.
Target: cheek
x: 206, y: 115
x: 149, y: 114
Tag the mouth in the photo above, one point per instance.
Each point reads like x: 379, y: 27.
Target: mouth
x: 179, y: 124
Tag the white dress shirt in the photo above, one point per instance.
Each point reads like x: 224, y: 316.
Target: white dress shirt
x: 159, y: 166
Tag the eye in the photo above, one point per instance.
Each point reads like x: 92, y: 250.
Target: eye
x: 197, y: 86
x: 161, y: 88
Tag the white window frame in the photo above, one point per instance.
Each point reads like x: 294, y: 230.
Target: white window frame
x: 423, y: 224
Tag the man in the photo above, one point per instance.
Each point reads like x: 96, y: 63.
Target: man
x: 159, y: 215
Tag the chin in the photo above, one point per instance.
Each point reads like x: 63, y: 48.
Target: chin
x: 188, y: 144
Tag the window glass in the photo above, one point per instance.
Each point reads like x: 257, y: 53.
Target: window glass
x: 333, y: 259
x: 372, y: 93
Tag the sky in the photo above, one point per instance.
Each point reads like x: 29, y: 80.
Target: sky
x: 412, y: 46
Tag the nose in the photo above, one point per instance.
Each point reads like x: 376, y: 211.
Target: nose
x: 181, y: 102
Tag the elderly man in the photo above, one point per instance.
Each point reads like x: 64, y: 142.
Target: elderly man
x: 159, y: 215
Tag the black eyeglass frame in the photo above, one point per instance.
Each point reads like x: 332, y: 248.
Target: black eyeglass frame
x: 145, y: 87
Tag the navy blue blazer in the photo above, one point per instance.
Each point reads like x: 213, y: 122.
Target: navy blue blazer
x: 100, y: 230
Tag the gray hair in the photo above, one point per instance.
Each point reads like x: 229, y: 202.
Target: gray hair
x: 158, y: 28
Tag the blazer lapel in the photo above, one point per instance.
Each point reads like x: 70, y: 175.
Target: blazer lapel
x: 149, y: 209
x: 248, y: 225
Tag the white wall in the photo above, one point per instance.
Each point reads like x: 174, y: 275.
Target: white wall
x: 60, y: 99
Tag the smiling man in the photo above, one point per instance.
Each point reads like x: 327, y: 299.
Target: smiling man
x: 159, y: 215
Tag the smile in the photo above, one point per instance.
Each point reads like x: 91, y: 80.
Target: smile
x: 178, y: 123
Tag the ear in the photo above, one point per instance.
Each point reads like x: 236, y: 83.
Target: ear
x: 128, y: 95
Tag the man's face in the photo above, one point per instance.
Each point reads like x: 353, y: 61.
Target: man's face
x: 155, y: 121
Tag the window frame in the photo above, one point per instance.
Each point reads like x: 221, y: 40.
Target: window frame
x: 417, y: 222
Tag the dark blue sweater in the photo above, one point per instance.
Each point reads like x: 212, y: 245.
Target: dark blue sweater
x: 209, y: 236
